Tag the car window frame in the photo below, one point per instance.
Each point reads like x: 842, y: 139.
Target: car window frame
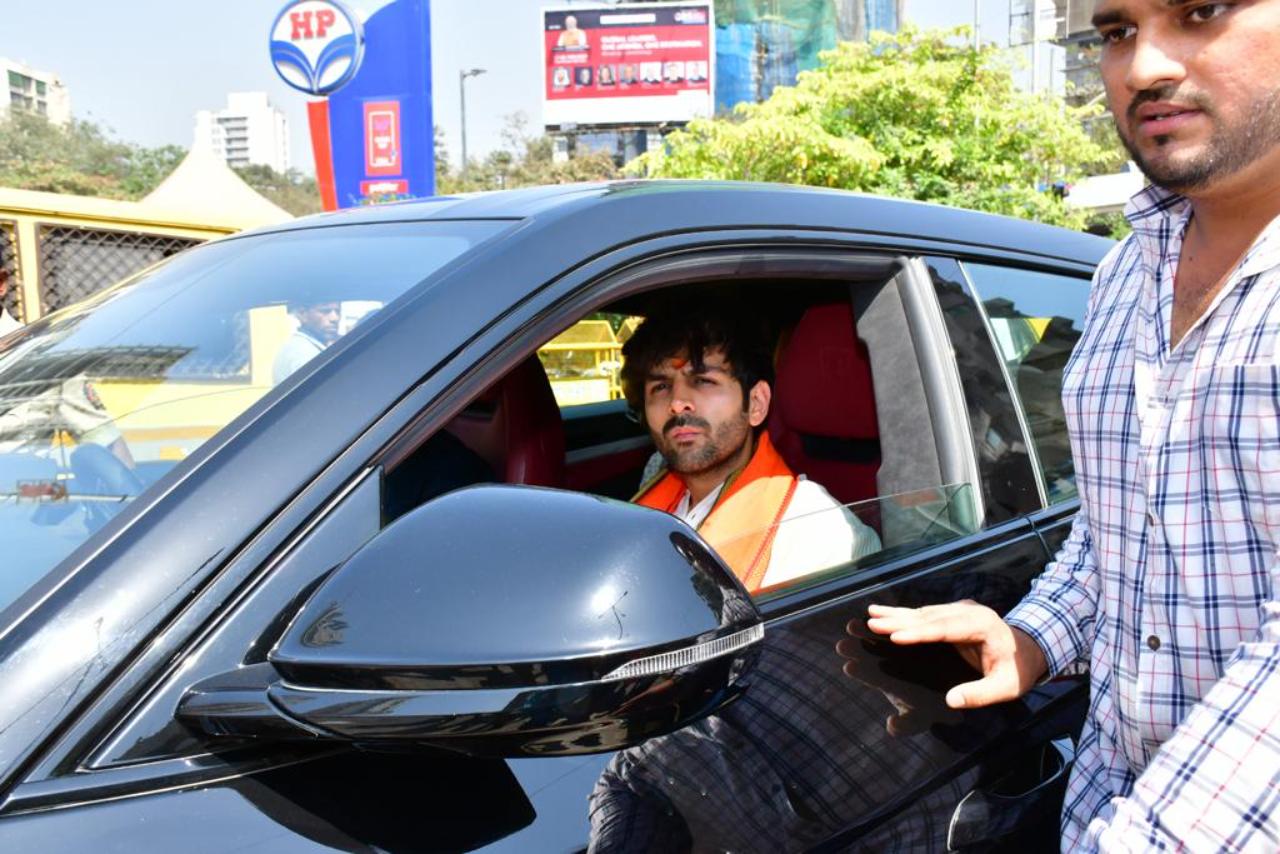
x: 1011, y: 381
x: 426, y: 406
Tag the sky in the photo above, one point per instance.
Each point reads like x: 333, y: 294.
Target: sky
x: 144, y: 67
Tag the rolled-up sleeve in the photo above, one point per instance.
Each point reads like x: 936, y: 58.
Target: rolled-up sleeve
x: 1060, y: 610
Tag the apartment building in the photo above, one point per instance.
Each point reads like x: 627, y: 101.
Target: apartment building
x: 250, y: 130
x: 33, y: 91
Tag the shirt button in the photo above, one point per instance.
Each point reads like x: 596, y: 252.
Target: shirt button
x: 1153, y: 642
x: 1153, y: 518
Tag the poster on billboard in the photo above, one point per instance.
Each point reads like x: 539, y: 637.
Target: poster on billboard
x: 626, y: 65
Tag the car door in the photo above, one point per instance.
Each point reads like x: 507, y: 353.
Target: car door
x: 809, y: 752
x: 842, y: 739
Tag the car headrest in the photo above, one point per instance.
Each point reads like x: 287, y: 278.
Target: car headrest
x: 515, y: 427
x: 823, y: 383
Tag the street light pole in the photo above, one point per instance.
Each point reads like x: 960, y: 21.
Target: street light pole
x: 462, y: 98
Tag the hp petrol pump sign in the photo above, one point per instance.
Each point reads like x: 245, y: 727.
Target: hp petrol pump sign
x: 316, y: 45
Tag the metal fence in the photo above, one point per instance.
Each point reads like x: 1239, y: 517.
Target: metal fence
x: 77, y: 262
x: 9, y: 269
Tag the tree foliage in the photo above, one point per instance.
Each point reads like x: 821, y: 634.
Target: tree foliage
x: 524, y: 160
x: 920, y: 115
x: 78, y: 157
x: 293, y: 191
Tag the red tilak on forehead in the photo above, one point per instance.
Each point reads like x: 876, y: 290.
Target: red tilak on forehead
x: 679, y: 364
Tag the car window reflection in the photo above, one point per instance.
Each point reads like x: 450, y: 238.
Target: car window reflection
x: 841, y: 541
x: 100, y: 400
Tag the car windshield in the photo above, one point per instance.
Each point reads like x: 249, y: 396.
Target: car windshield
x: 98, y: 401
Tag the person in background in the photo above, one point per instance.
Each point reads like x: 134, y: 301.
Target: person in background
x: 8, y: 322
x: 317, y: 329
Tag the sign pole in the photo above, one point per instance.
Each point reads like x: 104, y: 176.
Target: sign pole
x: 322, y: 149
x: 462, y: 101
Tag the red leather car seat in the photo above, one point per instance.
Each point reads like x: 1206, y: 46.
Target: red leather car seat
x: 823, y: 416
x: 515, y: 426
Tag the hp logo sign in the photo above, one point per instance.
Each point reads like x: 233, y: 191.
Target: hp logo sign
x: 316, y: 45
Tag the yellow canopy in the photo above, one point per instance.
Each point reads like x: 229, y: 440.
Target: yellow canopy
x: 204, y: 189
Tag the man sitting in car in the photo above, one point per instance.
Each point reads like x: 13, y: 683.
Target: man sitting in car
x: 703, y: 380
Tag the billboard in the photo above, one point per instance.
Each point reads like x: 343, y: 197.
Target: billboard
x: 625, y: 65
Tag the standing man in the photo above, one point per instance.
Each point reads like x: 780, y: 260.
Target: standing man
x: 1169, y: 585
x: 317, y: 329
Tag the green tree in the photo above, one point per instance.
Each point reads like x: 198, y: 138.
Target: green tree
x: 443, y: 173
x: 293, y: 191
x: 78, y: 157
x: 147, y: 167
x: 524, y: 160
x: 919, y: 114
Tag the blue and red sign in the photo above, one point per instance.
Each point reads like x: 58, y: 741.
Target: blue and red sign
x: 382, y: 138
x: 373, y: 136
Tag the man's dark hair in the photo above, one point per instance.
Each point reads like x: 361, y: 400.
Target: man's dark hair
x: 694, y: 328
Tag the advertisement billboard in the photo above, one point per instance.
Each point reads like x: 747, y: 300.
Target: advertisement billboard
x: 625, y: 65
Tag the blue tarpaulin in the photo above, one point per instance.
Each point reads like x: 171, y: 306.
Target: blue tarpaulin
x: 762, y: 44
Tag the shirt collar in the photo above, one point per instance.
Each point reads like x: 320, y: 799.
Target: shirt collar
x: 1157, y: 215
x: 1148, y: 210
x: 697, y: 513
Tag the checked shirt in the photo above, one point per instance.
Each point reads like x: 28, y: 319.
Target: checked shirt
x: 1167, y: 585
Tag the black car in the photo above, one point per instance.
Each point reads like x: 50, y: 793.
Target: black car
x: 387, y: 593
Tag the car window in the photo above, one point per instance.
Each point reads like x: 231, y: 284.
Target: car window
x: 1036, y: 319
x: 821, y: 545
x: 584, y: 362
x: 1008, y: 478
x: 843, y: 515
x: 100, y: 400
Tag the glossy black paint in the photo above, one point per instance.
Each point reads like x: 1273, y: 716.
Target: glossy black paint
x: 249, y: 491
x: 456, y: 596
x: 557, y: 720
x: 1015, y: 801
x: 439, y: 632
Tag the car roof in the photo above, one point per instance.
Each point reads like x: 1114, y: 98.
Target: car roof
x: 665, y: 206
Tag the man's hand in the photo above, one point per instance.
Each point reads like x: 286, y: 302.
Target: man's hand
x: 1008, y: 659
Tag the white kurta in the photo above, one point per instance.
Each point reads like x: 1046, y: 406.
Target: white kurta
x: 816, y: 532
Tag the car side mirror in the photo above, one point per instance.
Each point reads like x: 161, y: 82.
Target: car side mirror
x: 502, y: 620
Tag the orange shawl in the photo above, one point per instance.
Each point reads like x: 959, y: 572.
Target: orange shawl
x: 742, y: 524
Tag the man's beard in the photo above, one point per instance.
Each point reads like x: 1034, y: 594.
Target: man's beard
x: 721, y: 444
x: 1228, y: 150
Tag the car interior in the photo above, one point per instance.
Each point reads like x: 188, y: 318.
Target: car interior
x: 850, y: 410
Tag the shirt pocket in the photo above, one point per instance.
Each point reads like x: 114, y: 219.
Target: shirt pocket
x: 1237, y: 406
